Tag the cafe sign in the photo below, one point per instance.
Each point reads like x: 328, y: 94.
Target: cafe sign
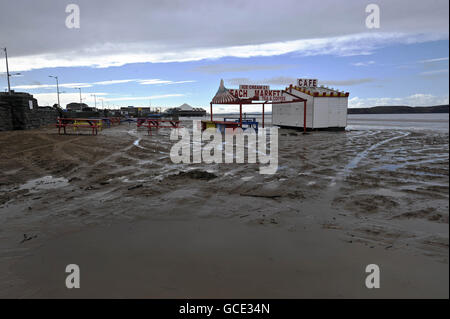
x: 307, y: 82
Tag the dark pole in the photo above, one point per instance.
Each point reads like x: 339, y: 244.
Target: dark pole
x: 304, y: 117
x: 263, y: 114
x: 210, y: 106
x: 7, y: 71
x: 240, y: 114
x: 57, y: 90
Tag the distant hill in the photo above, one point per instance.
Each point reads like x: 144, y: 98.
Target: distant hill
x: 399, y: 109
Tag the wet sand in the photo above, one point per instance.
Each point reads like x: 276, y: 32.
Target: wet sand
x: 213, y: 258
x: 140, y: 226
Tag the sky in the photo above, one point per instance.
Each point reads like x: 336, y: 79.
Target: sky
x: 164, y: 53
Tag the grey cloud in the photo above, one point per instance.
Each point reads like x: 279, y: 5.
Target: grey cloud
x: 280, y: 80
x: 435, y: 74
x: 347, y: 82
x: 222, y: 68
x: 38, y: 27
x: 436, y: 60
x: 237, y: 81
x: 431, y: 66
x: 276, y: 80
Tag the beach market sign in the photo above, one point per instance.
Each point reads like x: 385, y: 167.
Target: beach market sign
x: 258, y: 93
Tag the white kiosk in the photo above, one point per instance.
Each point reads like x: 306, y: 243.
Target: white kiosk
x: 326, y: 108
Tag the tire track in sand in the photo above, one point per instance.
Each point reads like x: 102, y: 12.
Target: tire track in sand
x: 361, y: 155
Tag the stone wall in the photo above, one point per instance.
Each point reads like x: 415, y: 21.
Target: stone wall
x: 5, y: 117
x: 20, y: 111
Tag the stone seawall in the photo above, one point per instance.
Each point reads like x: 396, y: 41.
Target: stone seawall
x: 20, y: 111
x: 5, y: 117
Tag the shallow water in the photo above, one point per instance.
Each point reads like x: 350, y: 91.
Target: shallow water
x: 428, y: 121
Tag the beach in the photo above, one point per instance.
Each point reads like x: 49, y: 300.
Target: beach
x: 139, y: 225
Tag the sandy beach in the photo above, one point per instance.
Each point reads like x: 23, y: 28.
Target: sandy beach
x: 140, y: 226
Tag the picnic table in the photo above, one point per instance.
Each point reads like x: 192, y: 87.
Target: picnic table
x: 76, y: 123
x: 107, y: 122
x: 159, y: 123
x: 249, y: 122
x: 115, y: 120
x: 141, y: 121
x: 232, y: 123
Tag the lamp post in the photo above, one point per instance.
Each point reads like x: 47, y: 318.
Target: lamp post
x: 7, y: 70
x: 80, y: 96
x: 95, y: 100
x: 8, y: 75
x: 57, y: 87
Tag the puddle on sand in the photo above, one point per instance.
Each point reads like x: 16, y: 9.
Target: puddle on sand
x: 13, y: 171
x: 136, y: 143
x: 46, y: 182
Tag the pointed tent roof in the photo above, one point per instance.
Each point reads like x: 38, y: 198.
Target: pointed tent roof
x: 185, y: 106
x: 223, y: 96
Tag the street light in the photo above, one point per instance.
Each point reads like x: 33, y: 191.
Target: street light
x: 7, y: 70
x: 80, y: 96
x: 57, y: 87
x: 8, y: 75
x: 95, y: 100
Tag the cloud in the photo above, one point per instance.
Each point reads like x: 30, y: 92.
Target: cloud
x: 179, y: 25
x: 114, y: 82
x: 86, y: 85
x: 363, y: 63
x: 347, y: 82
x: 222, y: 68
x: 51, y: 86
x: 280, y: 80
x: 158, y: 81
x: 418, y: 99
x: 276, y: 80
x: 430, y: 67
x: 434, y: 60
x: 119, y: 54
x: 434, y: 72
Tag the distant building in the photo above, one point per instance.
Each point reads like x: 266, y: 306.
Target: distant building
x: 78, y: 107
x: 185, y: 107
x: 135, y: 111
x: 186, y: 110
